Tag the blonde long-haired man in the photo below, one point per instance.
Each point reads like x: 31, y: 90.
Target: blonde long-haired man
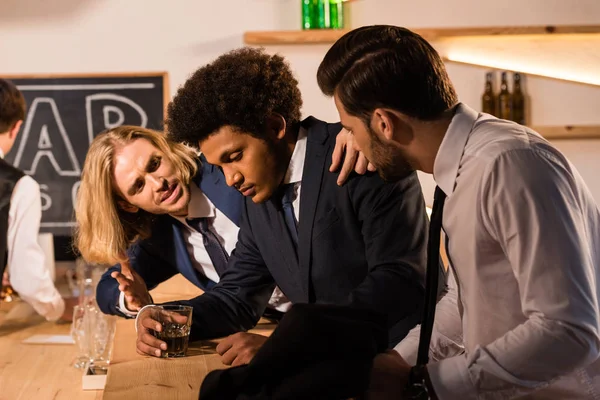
x: 20, y: 215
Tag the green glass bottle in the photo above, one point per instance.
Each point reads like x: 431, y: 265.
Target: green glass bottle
x: 322, y: 14
x: 336, y: 14
x: 308, y: 13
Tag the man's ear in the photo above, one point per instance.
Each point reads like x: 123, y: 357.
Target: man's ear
x: 127, y: 207
x: 382, y: 122
x: 392, y: 125
x: 276, y: 126
x: 15, y: 129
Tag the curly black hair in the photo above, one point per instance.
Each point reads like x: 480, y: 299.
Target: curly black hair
x: 240, y: 89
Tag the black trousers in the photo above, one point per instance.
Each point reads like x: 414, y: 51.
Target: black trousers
x: 316, y: 352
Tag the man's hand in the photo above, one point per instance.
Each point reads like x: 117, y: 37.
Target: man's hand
x: 240, y: 348
x: 389, y: 376
x: 133, y: 287
x: 5, y: 280
x: 146, y: 343
x: 353, y: 158
x: 70, y: 303
x: 151, y: 319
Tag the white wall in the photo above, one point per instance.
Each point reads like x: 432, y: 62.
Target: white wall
x: 63, y: 36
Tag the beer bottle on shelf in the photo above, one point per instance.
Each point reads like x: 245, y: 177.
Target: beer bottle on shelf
x: 504, y: 99
x: 336, y: 14
x: 518, y: 100
x: 488, y: 99
x: 322, y: 14
x: 308, y: 14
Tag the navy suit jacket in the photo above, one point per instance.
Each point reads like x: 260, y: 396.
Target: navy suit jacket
x: 362, y: 244
x: 164, y: 253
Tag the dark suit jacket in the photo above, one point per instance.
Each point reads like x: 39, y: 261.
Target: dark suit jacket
x: 164, y: 253
x: 362, y: 244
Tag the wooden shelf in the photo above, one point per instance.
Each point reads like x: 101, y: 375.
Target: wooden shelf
x: 569, y: 132
x: 564, y: 52
x: 321, y: 36
x: 547, y: 51
x: 312, y: 36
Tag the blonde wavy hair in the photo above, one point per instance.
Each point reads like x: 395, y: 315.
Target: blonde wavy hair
x: 104, y: 231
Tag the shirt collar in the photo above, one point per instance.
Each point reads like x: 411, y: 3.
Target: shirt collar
x: 296, y: 166
x: 200, y: 206
x: 1, y: 154
x: 447, y: 160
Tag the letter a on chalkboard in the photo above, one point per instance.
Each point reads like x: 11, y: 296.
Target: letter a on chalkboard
x: 43, y: 139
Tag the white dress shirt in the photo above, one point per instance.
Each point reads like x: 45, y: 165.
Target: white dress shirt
x: 295, y: 170
x: 226, y: 232
x: 524, y: 244
x: 446, y: 337
x: 223, y: 228
x: 28, y: 272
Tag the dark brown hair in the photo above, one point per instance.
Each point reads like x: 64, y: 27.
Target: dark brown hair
x: 12, y: 105
x: 239, y: 89
x: 384, y: 66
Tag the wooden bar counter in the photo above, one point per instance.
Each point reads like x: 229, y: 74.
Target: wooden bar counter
x: 36, y: 371
x: 46, y: 372
x: 132, y: 376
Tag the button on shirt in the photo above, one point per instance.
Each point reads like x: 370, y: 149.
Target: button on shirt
x: 524, y: 244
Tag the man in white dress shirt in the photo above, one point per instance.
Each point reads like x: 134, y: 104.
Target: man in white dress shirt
x: 20, y: 215
x: 523, y: 231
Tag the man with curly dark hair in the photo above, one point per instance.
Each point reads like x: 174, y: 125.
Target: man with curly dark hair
x: 361, y: 244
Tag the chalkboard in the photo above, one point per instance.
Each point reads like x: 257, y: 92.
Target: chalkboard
x: 64, y: 114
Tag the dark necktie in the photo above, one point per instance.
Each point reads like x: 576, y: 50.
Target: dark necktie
x: 432, y: 276
x: 288, y: 211
x: 215, y: 250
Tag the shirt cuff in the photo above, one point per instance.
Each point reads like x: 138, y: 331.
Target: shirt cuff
x: 123, y: 308
x: 408, y: 347
x: 140, y: 313
x: 58, y: 309
x: 450, y: 379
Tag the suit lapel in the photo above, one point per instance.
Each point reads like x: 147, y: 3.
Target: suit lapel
x: 211, y: 181
x: 312, y: 176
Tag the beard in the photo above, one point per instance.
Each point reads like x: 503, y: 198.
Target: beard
x: 391, y: 164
